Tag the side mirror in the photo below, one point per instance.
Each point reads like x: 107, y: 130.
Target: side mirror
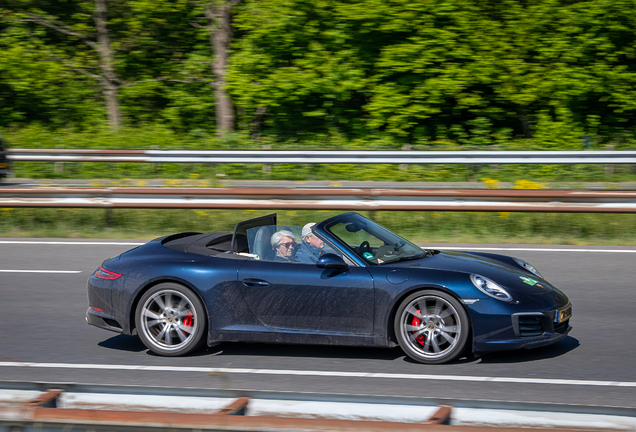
x: 332, y: 261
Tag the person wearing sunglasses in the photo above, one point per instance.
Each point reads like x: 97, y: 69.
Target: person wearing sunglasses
x: 284, y: 243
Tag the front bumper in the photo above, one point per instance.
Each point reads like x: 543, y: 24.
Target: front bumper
x: 509, y: 329
x: 527, y: 342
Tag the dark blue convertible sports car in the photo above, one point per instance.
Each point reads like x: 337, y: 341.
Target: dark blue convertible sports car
x: 343, y: 281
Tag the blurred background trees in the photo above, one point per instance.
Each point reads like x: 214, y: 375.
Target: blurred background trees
x: 467, y: 72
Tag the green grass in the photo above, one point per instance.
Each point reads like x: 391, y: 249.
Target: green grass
x: 424, y: 227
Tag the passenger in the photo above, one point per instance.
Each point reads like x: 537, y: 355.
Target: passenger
x: 284, y: 243
x: 311, y: 247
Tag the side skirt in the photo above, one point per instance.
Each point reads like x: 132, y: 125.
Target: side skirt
x: 266, y: 335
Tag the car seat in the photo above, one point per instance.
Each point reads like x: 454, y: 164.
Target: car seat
x: 262, y: 244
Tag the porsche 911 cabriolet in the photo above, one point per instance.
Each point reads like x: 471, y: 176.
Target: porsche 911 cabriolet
x: 343, y: 281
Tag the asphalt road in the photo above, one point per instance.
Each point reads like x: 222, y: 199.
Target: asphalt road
x: 42, y: 321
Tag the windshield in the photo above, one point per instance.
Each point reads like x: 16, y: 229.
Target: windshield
x: 373, y: 243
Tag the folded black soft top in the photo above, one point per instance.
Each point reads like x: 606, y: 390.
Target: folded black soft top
x: 205, y: 244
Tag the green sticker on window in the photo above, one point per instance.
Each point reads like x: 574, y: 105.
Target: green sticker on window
x: 527, y: 280
x: 368, y: 255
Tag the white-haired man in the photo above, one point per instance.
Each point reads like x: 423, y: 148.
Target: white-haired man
x: 311, y: 247
x: 284, y: 243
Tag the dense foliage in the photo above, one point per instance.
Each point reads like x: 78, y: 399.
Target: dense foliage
x: 394, y: 72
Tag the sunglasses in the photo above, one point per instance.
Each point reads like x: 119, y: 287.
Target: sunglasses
x: 288, y: 245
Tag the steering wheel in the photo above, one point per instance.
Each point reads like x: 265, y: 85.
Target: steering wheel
x: 365, y: 246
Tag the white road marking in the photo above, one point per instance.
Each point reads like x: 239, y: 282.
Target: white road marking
x: 70, y: 243
x: 337, y: 374
x: 533, y: 249
x: 40, y: 271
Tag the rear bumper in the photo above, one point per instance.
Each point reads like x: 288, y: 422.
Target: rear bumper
x: 103, y: 321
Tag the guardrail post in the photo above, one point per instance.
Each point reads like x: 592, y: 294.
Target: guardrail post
x: 238, y: 407
x: 440, y: 417
x: 155, y: 166
x: 109, y: 217
x: 267, y: 169
x: 46, y: 400
x: 609, y: 168
x: 494, y: 167
x: 405, y: 167
x: 59, y: 166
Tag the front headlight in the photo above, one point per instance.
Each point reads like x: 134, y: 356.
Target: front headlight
x: 528, y: 267
x: 490, y: 288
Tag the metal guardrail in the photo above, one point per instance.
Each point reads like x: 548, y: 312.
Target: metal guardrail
x: 326, y: 156
x: 51, y: 406
x: 43, y: 411
x: 551, y: 201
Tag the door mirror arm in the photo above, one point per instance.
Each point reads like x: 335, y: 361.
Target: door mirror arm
x: 332, y: 261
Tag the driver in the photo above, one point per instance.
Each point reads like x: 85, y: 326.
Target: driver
x: 311, y: 247
x: 284, y: 243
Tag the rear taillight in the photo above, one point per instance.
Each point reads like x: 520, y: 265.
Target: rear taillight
x: 96, y: 309
x: 102, y: 273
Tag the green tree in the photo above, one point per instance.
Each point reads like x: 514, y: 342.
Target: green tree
x: 32, y: 90
x: 468, y: 70
x: 115, y: 44
x: 296, y: 69
x: 216, y: 18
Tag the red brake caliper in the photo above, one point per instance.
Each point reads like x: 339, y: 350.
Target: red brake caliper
x: 416, y: 322
x: 189, y: 320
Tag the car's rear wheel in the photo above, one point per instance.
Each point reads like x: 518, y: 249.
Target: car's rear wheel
x: 170, y: 320
x: 432, y: 327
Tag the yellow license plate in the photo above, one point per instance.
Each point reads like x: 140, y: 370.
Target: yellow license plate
x: 564, y: 314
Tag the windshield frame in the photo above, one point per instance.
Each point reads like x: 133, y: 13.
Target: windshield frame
x: 326, y: 225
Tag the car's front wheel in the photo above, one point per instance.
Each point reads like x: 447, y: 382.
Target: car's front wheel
x: 170, y: 320
x: 432, y: 327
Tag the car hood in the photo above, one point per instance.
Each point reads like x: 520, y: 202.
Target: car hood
x: 514, y: 279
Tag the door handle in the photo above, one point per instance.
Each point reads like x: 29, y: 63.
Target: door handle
x: 255, y: 282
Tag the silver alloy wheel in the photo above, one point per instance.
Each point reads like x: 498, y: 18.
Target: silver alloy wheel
x: 431, y: 327
x: 169, y: 320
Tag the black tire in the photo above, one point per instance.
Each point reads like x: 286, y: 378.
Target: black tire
x: 170, y: 320
x: 438, y: 335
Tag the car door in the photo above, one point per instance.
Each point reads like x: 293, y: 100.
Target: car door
x: 303, y: 297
